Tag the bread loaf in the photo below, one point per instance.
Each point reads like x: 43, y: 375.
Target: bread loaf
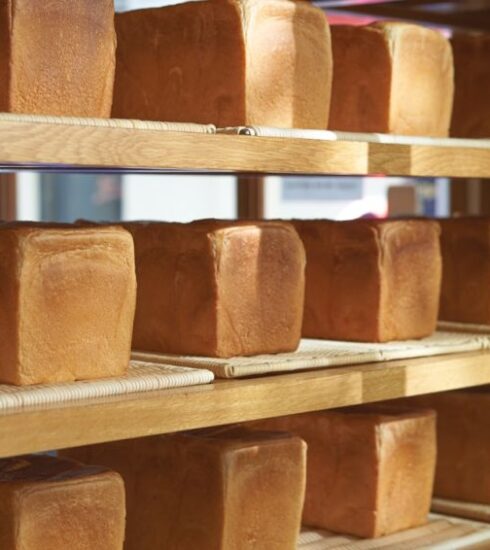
x: 392, y: 78
x: 465, y: 292
x: 208, y: 491
x: 218, y: 289
x: 371, y: 280
x: 53, y: 504
x: 471, y: 114
x: 463, y: 443
x: 370, y: 470
x: 225, y: 62
x: 68, y: 299
x: 57, y: 57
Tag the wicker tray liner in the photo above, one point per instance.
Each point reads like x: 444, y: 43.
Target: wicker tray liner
x: 460, y: 509
x: 329, y: 135
x: 441, y: 533
x: 463, y: 327
x: 141, y: 377
x: 315, y: 354
x: 128, y: 124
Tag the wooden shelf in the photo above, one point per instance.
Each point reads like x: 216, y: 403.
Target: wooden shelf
x: 110, y: 419
x: 44, y: 145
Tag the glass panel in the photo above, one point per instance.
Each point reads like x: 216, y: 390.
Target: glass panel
x: 124, y: 5
x: 343, y: 198
x: 67, y: 197
x: 178, y: 198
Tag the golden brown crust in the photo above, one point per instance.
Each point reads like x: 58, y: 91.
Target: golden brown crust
x: 214, y: 64
x: 219, y: 489
x: 218, y: 288
x: 182, y: 63
x: 357, y: 104
x: 471, y: 114
x: 336, y: 305
x: 5, y: 54
x: 465, y: 246
x: 411, y: 259
x: 370, y: 470
x: 371, y: 281
x: 288, y: 85
x: 176, y: 290
x: 70, y: 296
x: 407, y: 467
x: 463, y: 443
x: 423, y: 81
x: 392, y: 78
x: 48, y: 503
x: 72, y: 72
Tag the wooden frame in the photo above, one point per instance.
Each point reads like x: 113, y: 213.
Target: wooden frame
x: 79, y: 147
x: 251, y: 204
x: 8, y: 203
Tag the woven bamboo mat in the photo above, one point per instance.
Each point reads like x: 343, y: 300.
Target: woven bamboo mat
x: 328, y: 135
x: 187, y: 127
x: 315, y: 354
x: 441, y: 533
x: 459, y: 509
x: 141, y: 377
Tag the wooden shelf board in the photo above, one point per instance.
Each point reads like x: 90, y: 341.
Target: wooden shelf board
x: 79, y: 147
x: 76, y: 146
x: 224, y: 402
x: 429, y: 161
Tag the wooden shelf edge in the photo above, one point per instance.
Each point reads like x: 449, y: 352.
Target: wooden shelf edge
x: 39, y: 145
x: 47, y: 145
x: 429, y: 161
x: 225, y: 402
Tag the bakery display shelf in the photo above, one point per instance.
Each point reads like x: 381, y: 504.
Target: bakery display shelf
x: 320, y: 354
x: 43, y: 428
x: 51, y: 143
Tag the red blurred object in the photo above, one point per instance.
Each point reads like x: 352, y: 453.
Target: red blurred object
x: 349, y: 19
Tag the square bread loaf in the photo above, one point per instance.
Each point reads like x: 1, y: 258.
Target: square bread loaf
x: 217, y: 288
x: 370, y: 470
x: 394, y: 78
x: 463, y: 443
x: 209, y: 490
x: 57, y: 57
x: 371, y: 280
x: 471, y: 113
x: 225, y: 62
x: 465, y: 292
x: 48, y: 503
x: 68, y: 300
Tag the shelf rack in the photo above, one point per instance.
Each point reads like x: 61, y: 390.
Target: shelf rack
x: 48, y: 143
x: 44, y: 145
x: 224, y: 402
x: 47, y: 146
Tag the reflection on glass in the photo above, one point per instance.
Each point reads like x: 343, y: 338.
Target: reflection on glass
x: 67, y: 197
